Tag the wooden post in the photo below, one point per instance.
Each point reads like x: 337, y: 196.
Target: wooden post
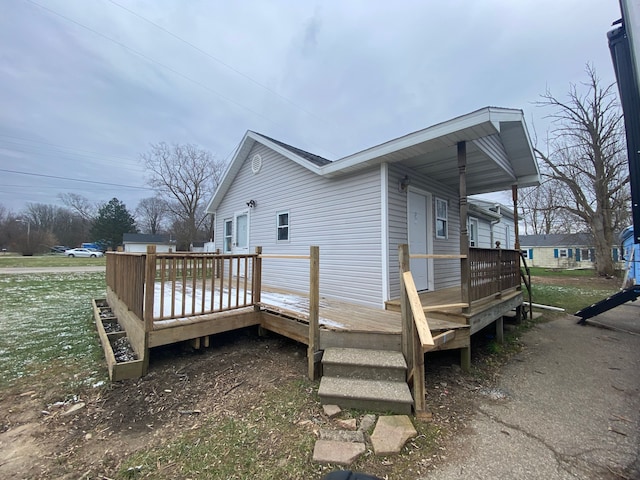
x: 149, y: 294
x: 411, y: 345
x: 257, y: 278
x: 405, y: 309
x: 465, y: 276
x: 314, y: 311
x: 516, y: 233
x: 465, y: 270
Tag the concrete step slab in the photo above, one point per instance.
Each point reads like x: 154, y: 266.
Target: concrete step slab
x: 364, y: 363
x: 374, y: 395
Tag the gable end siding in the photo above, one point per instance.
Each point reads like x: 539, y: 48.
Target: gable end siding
x: 341, y: 215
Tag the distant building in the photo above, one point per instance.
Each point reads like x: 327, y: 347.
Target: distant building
x: 138, y: 242
x: 559, y: 250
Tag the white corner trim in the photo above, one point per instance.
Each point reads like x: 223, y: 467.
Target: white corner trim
x: 384, y: 220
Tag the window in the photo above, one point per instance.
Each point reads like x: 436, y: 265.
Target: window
x: 562, y: 253
x: 228, y: 235
x: 442, y: 222
x: 584, y: 254
x: 507, y: 236
x: 283, y: 226
x: 473, y: 232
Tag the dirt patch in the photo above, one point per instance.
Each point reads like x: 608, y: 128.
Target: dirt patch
x: 43, y: 438
x: 183, y: 388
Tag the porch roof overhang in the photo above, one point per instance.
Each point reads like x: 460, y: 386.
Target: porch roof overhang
x: 499, y: 154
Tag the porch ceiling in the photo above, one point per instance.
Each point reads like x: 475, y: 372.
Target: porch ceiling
x: 499, y: 153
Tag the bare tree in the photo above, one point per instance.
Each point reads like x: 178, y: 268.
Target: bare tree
x: 586, y: 155
x: 151, y: 214
x: 80, y: 205
x: 186, y: 176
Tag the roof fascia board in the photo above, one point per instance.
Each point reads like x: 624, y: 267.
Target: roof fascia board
x: 245, y: 145
x: 488, y: 114
x: 303, y: 162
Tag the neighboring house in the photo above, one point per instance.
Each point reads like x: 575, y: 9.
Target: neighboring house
x: 202, y: 247
x: 358, y: 209
x: 630, y: 255
x: 490, y: 222
x: 138, y: 242
x: 571, y: 250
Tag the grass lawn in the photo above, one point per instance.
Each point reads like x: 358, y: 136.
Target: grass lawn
x: 16, y: 261
x: 46, y: 328
x: 48, y: 340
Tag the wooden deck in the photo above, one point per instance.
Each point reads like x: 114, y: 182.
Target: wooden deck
x: 346, y: 324
x: 480, y: 314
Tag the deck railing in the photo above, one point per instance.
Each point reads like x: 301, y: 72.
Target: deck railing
x: 492, y: 271
x: 125, y: 277
x: 165, y: 286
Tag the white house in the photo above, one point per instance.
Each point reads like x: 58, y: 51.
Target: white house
x: 489, y: 223
x: 138, y: 242
x: 359, y: 208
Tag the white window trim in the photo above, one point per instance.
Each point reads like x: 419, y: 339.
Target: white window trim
x: 474, y: 222
x: 445, y: 218
x: 562, y: 251
x: 278, y: 226
x: 225, y: 236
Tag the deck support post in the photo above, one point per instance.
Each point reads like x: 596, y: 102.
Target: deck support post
x: 149, y: 294
x: 257, y: 279
x: 465, y: 271
x: 411, y: 346
x: 314, y: 311
x: 500, y: 329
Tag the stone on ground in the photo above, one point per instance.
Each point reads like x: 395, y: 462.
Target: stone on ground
x: 391, y: 433
x: 348, y: 424
x: 341, y: 453
x: 331, y: 410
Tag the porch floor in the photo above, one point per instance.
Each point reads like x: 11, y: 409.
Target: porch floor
x: 480, y: 314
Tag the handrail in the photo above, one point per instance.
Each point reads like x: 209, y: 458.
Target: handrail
x: 419, y: 318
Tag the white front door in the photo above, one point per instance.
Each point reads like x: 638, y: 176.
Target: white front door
x: 241, y: 232
x: 417, y: 223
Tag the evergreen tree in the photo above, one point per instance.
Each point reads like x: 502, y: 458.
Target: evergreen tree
x: 112, y: 222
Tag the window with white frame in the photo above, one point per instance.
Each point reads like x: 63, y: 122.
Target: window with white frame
x: 562, y: 253
x: 473, y: 232
x: 228, y: 235
x: 507, y: 236
x: 442, y: 218
x: 282, y: 219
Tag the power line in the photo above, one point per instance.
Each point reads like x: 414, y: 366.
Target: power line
x: 221, y: 62
x: 32, y: 140
x: 74, y: 179
x: 167, y: 67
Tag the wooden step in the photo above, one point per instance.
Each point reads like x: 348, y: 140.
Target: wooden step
x: 364, y: 364
x: 364, y: 394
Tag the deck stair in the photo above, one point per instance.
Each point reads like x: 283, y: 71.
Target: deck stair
x: 365, y: 380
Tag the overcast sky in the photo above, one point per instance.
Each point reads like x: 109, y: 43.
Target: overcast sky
x: 88, y: 85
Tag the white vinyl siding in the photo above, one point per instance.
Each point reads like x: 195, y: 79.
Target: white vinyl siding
x: 446, y: 272
x: 341, y: 215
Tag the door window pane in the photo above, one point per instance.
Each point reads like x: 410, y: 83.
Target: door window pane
x: 241, y: 231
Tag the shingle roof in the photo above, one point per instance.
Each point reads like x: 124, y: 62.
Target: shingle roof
x: 145, y: 238
x: 313, y: 158
x: 557, y: 240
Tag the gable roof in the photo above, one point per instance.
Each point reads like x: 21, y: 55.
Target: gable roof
x: 557, y: 240
x: 312, y: 157
x: 499, y: 153
x: 146, y: 238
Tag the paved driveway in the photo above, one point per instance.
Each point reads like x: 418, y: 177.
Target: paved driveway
x: 572, y: 408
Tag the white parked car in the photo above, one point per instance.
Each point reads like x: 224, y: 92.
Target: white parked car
x: 83, y: 252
